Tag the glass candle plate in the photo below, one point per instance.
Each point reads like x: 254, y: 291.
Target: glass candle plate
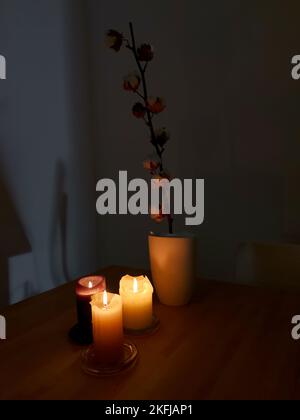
x: 92, y: 366
x: 152, y: 329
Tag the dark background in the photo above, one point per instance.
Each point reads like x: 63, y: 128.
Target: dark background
x: 224, y: 68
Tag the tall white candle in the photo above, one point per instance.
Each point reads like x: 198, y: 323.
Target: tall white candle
x: 136, y: 293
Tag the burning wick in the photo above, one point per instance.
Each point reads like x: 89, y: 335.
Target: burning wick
x: 105, y: 299
x: 135, y: 286
x: 90, y: 286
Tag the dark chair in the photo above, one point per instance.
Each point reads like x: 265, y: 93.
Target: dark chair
x: 269, y: 264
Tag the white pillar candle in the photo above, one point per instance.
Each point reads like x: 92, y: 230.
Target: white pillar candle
x: 136, y: 293
x: 108, y: 335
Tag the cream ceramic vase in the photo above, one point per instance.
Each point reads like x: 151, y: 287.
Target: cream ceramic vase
x: 173, y: 267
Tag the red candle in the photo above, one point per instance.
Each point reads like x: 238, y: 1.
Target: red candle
x: 85, y: 289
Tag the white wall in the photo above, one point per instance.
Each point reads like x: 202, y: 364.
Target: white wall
x: 44, y: 134
x: 224, y: 68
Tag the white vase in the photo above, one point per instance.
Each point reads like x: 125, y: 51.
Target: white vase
x: 173, y: 267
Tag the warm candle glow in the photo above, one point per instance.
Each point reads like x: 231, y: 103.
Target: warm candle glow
x: 107, y: 327
x: 105, y: 298
x: 87, y: 287
x: 135, y: 286
x: 136, y: 293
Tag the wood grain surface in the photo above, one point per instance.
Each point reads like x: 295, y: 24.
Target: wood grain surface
x: 231, y: 342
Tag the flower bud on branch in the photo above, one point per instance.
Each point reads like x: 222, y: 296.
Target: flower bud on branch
x: 145, y: 53
x: 156, y: 105
x: 114, y: 40
x: 139, y: 110
x: 132, y: 82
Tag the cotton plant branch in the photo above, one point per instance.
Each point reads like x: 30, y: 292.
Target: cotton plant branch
x: 145, y: 96
x: 150, y: 106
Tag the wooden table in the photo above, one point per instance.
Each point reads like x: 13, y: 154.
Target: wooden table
x: 231, y: 342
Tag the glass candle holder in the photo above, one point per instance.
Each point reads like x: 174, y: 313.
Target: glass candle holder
x: 109, y: 354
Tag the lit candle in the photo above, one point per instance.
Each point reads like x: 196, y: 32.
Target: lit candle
x: 85, y: 289
x: 136, y: 293
x: 108, y: 328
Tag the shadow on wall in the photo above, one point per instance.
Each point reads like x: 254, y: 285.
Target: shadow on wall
x: 58, y: 226
x: 45, y: 148
x: 13, y: 240
x: 81, y: 247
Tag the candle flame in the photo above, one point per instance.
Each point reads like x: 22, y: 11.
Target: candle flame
x: 105, y: 298
x: 90, y: 286
x: 135, y: 286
